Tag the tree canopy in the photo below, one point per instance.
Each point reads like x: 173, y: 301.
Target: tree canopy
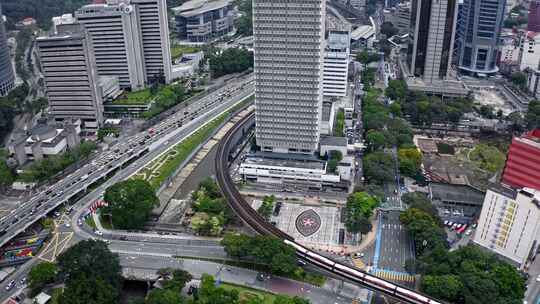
x: 232, y: 60
x: 264, y: 249
x: 91, y: 273
x: 40, y: 275
x: 267, y: 206
x: 212, y: 209
x: 532, y: 117
x: 130, y: 203
x: 410, y: 160
x: 379, y: 167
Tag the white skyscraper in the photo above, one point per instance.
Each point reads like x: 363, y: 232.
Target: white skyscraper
x: 131, y: 40
x: 116, y: 37
x: 336, y: 64
x: 289, y: 52
x: 154, y: 25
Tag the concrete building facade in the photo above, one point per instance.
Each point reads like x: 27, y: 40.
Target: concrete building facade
x: 116, y: 37
x: 336, y: 64
x: 530, y: 48
x: 289, y: 52
x: 203, y: 20
x: 509, y: 223
x: 71, y: 80
x: 478, y: 35
x: 154, y: 25
x: 7, y: 75
x: 433, y: 25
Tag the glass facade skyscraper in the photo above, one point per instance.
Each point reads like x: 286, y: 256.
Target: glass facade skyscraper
x: 479, y: 28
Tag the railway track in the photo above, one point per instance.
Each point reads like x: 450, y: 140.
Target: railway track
x: 250, y: 216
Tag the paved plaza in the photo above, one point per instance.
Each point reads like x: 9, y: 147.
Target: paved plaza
x: 314, y: 226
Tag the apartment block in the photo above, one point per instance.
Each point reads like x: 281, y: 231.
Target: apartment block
x: 289, y: 52
x: 509, y: 224
x: 336, y: 64
x: 117, y: 41
x: 71, y: 80
x: 154, y: 25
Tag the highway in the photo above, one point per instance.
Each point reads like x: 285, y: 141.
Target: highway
x: 243, y: 209
x: 164, y: 136
x: 153, y: 142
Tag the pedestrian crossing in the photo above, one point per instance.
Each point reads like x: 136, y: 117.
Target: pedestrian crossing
x: 395, y: 276
x: 358, y: 263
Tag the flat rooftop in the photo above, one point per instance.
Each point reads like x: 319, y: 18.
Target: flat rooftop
x: 333, y: 141
x: 457, y: 193
x: 197, y: 7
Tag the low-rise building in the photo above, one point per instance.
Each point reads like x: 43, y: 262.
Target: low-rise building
x: 327, y: 118
x: 46, y: 140
x: 509, y: 224
x: 204, y: 20
x: 287, y: 170
x: 333, y: 143
x: 522, y: 168
x: 363, y: 36
x: 460, y: 203
x: 187, y: 65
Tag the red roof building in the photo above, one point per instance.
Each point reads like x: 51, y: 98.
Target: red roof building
x: 523, y: 162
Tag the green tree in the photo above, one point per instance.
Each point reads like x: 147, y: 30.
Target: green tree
x: 410, y: 160
x: 40, y: 275
x: 6, y: 175
x: 375, y: 140
x: 396, y: 90
x: 164, y: 296
x: 358, y: 211
x: 424, y: 229
x: 519, y: 79
x: 532, y: 117
x: 236, y: 245
x: 210, y: 294
x: 90, y: 260
x: 419, y: 200
x: 178, y: 281
x: 267, y: 205
x: 445, y: 287
x: 379, y: 167
x: 130, y: 203
x: 282, y: 299
x: 517, y: 122
x: 86, y: 290
x: 232, y: 60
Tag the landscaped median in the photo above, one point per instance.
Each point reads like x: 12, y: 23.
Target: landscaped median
x: 163, y: 167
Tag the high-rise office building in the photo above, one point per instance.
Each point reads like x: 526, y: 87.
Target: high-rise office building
x: 154, y: 25
x: 289, y: 51
x: 336, y: 63
x: 433, y: 24
x: 509, y: 223
x: 533, y: 21
x: 7, y: 76
x: 116, y: 38
x: 478, y: 33
x: 71, y: 80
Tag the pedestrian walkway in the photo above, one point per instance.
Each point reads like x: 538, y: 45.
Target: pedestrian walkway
x: 394, y: 276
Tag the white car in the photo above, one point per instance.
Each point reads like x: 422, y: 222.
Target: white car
x: 98, y: 232
x: 538, y: 278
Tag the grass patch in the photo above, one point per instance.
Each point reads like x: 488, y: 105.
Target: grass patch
x: 246, y: 294
x: 178, y: 50
x: 183, y: 150
x: 89, y: 220
x: 140, y: 97
x: 339, y: 124
x: 298, y: 275
x: 106, y: 222
x: 488, y: 158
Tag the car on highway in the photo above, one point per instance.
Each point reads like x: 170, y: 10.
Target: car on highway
x: 538, y: 278
x: 98, y: 232
x: 10, y: 285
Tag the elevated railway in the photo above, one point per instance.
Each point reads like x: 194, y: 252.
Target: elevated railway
x: 250, y: 216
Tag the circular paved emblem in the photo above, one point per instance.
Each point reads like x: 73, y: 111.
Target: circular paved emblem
x: 308, y: 222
